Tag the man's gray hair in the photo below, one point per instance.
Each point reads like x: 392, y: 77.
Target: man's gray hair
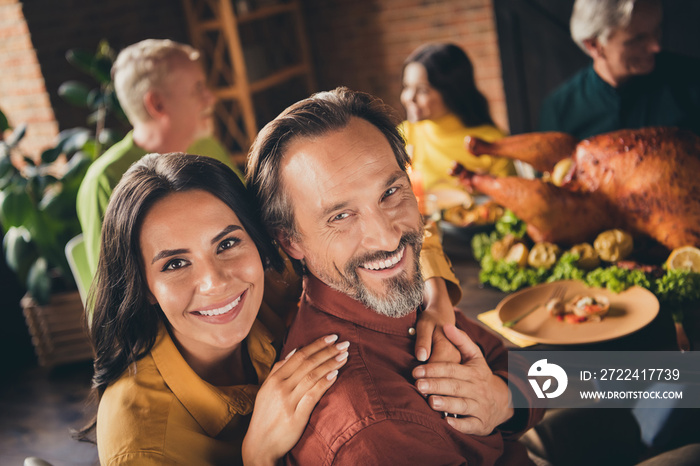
x: 596, y: 19
x: 312, y: 117
x: 143, y: 66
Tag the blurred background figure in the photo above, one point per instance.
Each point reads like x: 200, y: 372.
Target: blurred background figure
x: 163, y: 90
x: 443, y: 106
x: 631, y: 83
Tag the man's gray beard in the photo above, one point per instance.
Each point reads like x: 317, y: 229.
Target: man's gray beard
x: 403, y: 294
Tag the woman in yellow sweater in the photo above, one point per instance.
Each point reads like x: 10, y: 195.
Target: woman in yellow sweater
x: 443, y: 106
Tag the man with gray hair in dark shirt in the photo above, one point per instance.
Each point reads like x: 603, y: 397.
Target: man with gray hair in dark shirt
x: 631, y: 83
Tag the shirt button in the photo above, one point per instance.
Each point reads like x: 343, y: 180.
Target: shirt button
x: 411, y: 331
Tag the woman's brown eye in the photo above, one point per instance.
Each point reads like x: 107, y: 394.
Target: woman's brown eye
x: 228, y: 243
x: 174, y: 264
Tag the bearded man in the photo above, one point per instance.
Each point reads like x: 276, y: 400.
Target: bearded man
x: 330, y: 176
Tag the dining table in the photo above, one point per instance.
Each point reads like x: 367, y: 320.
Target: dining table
x: 477, y: 298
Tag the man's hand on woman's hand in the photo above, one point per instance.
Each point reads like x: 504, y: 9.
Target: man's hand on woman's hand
x: 285, y: 400
x: 468, y: 389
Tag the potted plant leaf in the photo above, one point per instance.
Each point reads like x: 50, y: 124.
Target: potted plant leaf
x: 37, y: 210
x: 37, y: 203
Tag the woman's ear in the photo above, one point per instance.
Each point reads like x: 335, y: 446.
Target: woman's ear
x: 289, y: 246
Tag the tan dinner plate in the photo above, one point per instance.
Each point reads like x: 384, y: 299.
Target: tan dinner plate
x: 629, y: 311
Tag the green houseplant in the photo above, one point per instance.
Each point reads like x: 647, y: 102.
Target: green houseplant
x: 37, y: 210
x: 38, y: 194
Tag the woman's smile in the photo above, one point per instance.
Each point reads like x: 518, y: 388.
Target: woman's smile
x: 222, y: 314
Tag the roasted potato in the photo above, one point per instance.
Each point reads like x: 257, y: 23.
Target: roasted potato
x: 500, y: 248
x: 613, y: 245
x: 587, y: 256
x: 561, y: 171
x: 543, y: 254
x: 517, y: 253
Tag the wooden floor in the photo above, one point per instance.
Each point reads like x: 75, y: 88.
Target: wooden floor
x: 37, y: 408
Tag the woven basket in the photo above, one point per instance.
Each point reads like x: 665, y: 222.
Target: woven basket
x: 58, y: 330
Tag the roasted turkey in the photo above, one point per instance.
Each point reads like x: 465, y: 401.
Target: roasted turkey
x: 645, y: 181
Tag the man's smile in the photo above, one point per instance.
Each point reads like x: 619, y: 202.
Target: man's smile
x: 387, y: 263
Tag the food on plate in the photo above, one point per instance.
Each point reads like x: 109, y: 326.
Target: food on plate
x: 543, y: 254
x: 684, y: 258
x: 482, y: 214
x: 582, y: 308
x: 587, y: 256
x: 586, y: 307
x: 643, y: 181
x: 555, y: 307
x: 517, y: 253
x: 499, y: 249
x: 613, y: 245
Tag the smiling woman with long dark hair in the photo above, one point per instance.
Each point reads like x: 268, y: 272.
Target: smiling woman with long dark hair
x: 182, y: 336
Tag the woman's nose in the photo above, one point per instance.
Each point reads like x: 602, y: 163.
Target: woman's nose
x: 212, y: 278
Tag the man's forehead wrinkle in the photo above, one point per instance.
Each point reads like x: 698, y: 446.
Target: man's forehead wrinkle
x: 342, y: 174
x: 303, y: 161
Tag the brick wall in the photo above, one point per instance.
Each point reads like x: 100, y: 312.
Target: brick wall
x: 34, y: 38
x: 358, y: 43
x: 362, y: 43
x: 57, y: 26
x: 23, y: 95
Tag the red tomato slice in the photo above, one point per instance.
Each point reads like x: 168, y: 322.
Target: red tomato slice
x: 574, y: 319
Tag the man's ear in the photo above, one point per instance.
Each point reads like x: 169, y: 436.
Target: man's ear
x: 153, y: 102
x: 289, y: 246
x: 594, y: 48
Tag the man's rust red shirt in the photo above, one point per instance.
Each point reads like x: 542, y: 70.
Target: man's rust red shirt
x: 373, y: 413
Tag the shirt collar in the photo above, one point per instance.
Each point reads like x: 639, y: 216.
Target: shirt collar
x: 342, y: 306
x: 630, y: 88
x: 598, y: 84
x: 211, y: 407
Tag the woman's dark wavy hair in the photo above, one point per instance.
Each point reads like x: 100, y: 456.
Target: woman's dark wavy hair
x: 451, y: 73
x: 124, y: 324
